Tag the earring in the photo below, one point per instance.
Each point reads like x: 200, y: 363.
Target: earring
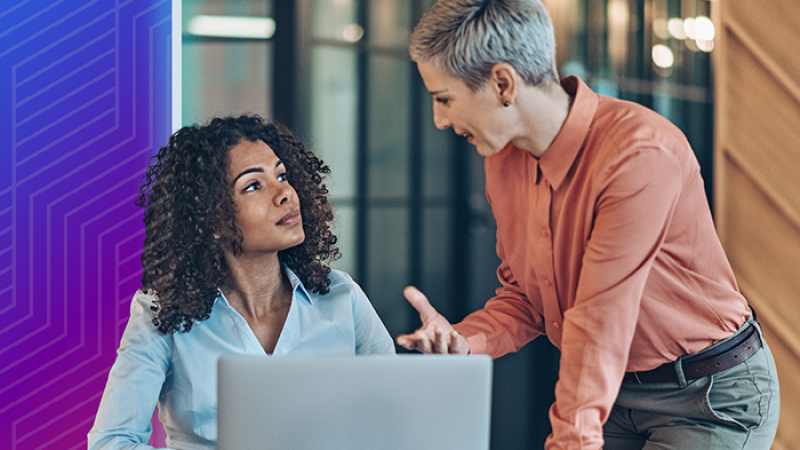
x: 216, y: 236
x: 506, y: 104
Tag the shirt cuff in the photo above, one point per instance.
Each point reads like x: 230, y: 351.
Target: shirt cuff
x: 476, y: 341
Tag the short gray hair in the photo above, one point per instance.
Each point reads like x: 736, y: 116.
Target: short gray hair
x: 466, y: 38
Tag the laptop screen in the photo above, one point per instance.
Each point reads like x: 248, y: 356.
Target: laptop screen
x: 400, y: 402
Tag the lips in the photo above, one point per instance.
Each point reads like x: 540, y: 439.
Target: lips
x: 290, y: 218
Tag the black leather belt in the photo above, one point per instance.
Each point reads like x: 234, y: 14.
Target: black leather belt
x: 728, y: 354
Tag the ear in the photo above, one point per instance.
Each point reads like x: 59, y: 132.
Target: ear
x: 504, y: 80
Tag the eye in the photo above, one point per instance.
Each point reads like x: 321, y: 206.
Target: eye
x: 252, y: 186
x: 441, y: 100
x: 282, y: 177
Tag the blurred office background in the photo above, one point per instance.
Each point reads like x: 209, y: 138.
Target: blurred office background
x: 410, y: 199
x: 84, y: 101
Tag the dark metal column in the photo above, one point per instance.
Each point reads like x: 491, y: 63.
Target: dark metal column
x: 285, y: 58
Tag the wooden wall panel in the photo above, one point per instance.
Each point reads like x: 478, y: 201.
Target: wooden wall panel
x: 775, y: 26
x: 757, y: 175
x: 764, y: 245
x: 764, y: 122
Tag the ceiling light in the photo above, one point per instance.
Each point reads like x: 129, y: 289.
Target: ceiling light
x: 232, y: 27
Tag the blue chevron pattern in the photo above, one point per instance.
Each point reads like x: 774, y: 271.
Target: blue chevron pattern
x: 84, y: 102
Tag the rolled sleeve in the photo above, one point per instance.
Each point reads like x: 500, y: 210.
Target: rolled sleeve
x: 506, y: 323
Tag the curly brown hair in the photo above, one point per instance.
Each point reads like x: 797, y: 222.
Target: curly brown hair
x: 187, y: 200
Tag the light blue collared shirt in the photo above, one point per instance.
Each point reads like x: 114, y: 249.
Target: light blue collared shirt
x: 179, y: 371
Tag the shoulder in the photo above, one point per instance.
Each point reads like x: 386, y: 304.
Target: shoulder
x: 343, y: 292
x: 342, y: 285
x: 626, y: 122
x: 142, y: 304
x: 624, y: 131
x: 140, y: 330
x: 338, y: 278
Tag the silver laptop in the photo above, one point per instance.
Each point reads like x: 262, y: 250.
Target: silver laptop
x: 405, y: 402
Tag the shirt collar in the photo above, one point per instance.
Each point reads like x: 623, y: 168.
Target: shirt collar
x: 560, y: 156
x: 294, y: 280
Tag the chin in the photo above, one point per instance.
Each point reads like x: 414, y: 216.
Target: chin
x: 486, y: 152
x: 299, y: 240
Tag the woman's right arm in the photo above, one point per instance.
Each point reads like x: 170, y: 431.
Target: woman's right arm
x: 134, y: 384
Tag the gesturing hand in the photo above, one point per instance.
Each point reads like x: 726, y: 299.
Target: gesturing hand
x: 436, y: 335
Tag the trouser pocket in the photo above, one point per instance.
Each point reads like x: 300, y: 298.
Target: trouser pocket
x: 742, y: 395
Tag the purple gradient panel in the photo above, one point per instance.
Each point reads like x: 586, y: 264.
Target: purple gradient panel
x: 84, y: 102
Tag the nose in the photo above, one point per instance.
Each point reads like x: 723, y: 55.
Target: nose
x: 283, y: 192
x: 440, y: 119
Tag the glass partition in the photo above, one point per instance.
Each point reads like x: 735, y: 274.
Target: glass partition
x: 225, y: 72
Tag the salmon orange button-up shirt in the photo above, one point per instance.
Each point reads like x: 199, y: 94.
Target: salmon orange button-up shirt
x: 607, y: 246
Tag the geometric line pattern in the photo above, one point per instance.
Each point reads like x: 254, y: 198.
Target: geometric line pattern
x: 84, y: 102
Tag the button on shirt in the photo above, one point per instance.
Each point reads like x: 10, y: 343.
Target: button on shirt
x: 179, y: 371
x: 607, y: 246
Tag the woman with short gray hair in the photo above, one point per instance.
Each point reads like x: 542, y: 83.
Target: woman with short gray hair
x: 606, y: 242
x: 487, y: 34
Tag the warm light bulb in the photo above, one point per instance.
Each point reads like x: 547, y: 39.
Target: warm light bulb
x: 352, y: 32
x: 662, y: 56
x: 688, y: 28
x: 705, y: 45
x: 660, y: 28
x: 704, y: 28
x: 675, y: 27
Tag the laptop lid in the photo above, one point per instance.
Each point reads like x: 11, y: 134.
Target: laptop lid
x: 404, y: 402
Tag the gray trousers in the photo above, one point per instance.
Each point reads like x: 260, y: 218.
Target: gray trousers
x: 734, y: 409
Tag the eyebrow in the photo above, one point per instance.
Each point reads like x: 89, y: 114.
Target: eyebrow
x: 437, y: 92
x: 254, y: 169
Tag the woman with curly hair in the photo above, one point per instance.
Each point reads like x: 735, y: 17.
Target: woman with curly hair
x: 235, y: 262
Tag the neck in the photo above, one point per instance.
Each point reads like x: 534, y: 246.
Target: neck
x: 256, y: 284
x: 542, y: 113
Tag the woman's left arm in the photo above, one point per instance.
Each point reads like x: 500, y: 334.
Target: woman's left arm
x: 134, y: 384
